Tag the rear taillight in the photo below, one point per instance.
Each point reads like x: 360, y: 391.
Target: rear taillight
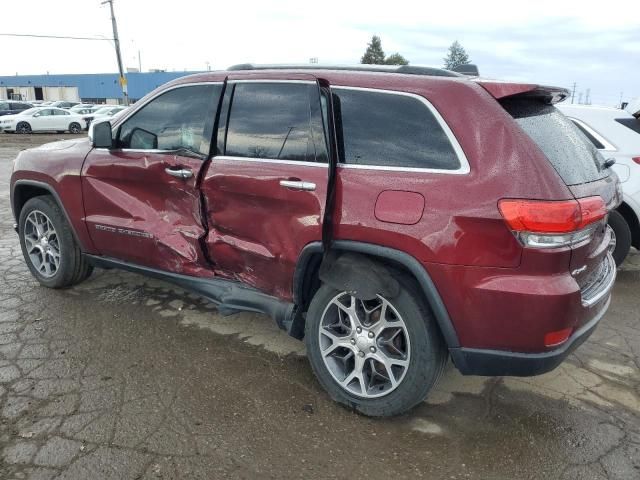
x: 636, y: 159
x: 550, y: 224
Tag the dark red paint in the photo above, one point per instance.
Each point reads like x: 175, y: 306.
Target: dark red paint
x: 233, y: 219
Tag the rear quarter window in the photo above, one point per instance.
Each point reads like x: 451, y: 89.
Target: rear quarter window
x: 570, y: 152
x: 630, y: 123
x: 389, y: 129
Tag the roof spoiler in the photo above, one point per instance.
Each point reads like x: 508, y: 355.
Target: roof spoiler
x: 502, y: 90
x: 468, y: 69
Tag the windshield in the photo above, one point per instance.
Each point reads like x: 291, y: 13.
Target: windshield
x: 29, y: 111
x: 572, y: 155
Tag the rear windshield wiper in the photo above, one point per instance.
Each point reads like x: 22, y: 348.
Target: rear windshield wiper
x: 608, y: 163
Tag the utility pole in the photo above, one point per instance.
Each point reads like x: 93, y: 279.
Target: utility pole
x: 116, y: 41
x: 573, y: 91
x: 588, y: 99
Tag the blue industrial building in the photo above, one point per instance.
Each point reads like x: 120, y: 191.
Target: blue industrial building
x: 98, y: 87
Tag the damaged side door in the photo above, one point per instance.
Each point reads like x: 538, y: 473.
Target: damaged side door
x: 141, y: 198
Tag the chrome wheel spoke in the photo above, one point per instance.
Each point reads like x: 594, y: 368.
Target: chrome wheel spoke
x: 41, y: 244
x: 364, y: 344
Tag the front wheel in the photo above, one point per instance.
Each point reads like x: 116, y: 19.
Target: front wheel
x: 75, y: 127
x: 381, y: 356
x: 23, y: 127
x: 48, y: 246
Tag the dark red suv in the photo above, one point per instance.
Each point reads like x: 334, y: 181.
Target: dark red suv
x: 391, y: 217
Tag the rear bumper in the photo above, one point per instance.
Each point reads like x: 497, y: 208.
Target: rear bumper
x: 474, y: 361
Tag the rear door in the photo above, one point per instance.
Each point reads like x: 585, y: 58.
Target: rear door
x: 141, y: 198
x: 266, y: 189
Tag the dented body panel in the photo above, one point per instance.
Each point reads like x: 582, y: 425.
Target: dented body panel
x: 136, y: 212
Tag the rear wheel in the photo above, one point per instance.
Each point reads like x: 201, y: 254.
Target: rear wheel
x: 75, y: 127
x: 23, y: 127
x: 48, y: 246
x: 380, y: 357
x: 622, y: 234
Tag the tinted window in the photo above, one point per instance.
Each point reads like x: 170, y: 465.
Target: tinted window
x: 4, y: 106
x: 572, y: 154
x: 632, y: 123
x: 180, y: 118
x: 46, y: 112
x: 377, y: 128
x: 592, y: 139
x: 276, y: 121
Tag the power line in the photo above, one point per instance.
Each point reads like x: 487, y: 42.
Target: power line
x: 54, y: 36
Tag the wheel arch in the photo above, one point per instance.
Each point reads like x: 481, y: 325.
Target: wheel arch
x: 24, y: 190
x: 312, y: 264
x: 631, y: 218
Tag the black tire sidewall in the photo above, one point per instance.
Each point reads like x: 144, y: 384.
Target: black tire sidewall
x: 427, y: 359
x: 66, y: 271
x: 29, y: 130
x: 71, y: 127
x: 623, y: 236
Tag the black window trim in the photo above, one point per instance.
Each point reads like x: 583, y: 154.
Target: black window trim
x: 464, y: 167
x: 140, y: 105
x: 231, y: 84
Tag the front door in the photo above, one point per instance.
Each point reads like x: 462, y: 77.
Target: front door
x: 266, y: 190
x: 141, y: 198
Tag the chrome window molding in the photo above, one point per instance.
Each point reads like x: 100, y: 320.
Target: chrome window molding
x: 274, y: 80
x: 608, y: 146
x: 462, y: 158
x: 271, y: 160
x: 139, y: 105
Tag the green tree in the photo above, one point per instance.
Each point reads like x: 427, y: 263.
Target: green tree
x: 373, y: 55
x: 456, y: 56
x: 396, y: 59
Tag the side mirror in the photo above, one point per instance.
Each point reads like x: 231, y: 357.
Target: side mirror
x: 101, y: 137
x: 36, y: 114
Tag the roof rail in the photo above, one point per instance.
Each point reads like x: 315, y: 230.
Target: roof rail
x: 405, y: 69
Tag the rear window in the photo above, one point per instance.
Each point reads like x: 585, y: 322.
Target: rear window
x: 570, y: 152
x: 631, y: 123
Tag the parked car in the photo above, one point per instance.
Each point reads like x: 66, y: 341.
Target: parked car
x: 63, y: 104
x: 41, y: 119
x: 84, y: 108
x: 330, y: 199
x: 11, y: 107
x: 120, y: 112
x: 616, y: 134
x: 102, y: 113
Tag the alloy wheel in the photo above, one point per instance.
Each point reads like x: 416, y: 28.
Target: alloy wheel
x: 364, y: 344
x: 42, y: 243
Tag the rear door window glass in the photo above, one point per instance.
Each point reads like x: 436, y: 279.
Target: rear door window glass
x: 387, y: 129
x: 572, y: 155
x: 630, y: 123
x: 181, y: 118
x: 277, y: 121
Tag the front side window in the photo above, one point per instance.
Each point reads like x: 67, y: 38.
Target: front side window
x: 386, y: 129
x: 61, y: 112
x: 180, y: 119
x: 278, y: 121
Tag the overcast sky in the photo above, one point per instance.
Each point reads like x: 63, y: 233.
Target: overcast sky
x: 596, y: 45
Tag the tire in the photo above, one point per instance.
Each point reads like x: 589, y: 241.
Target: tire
x: 622, y: 233
x: 75, y: 127
x: 425, y: 349
x: 71, y: 266
x: 23, y: 127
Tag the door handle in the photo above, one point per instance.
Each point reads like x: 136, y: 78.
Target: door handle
x: 183, y: 173
x: 298, y: 185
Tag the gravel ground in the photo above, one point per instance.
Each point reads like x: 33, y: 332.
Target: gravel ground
x: 125, y: 377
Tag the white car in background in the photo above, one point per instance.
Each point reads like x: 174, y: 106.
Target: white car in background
x: 105, y: 118
x: 103, y: 113
x: 616, y: 133
x: 42, y: 119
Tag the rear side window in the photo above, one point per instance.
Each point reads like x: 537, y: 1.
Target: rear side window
x: 181, y: 118
x: 573, y: 156
x: 387, y: 129
x: 592, y: 139
x: 278, y: 121
x: 631, y: 123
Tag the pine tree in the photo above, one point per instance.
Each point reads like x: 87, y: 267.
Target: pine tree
x: 396, y: 59
x: 456, y: 56
x: 374, y: 55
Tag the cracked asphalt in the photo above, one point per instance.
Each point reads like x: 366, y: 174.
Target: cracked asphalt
x: 123, y: 377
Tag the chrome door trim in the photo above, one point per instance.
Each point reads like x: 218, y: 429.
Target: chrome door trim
x: 270, y: 160
x: 462, y: 158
